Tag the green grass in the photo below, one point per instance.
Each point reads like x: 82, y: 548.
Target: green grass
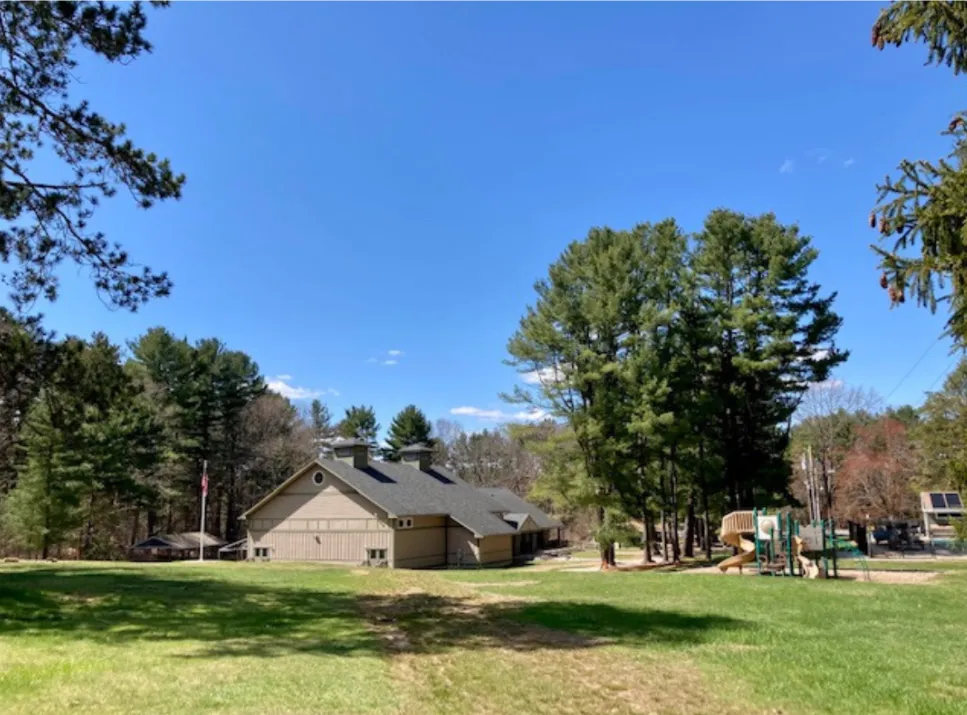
x: 274, y: 638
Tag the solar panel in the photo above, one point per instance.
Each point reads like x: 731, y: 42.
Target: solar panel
x: 953, y: 501
x: 937, y: 501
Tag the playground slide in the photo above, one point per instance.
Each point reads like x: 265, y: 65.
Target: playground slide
x: 746, y: 547
x: 809, y: 567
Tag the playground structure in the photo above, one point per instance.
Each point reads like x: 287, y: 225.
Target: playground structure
x: 778, y: 545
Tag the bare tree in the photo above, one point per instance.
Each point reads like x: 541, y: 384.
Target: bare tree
x: 445, y: 434
x: 278, y: 441
x: 878, y: 473
x: 826, y: 418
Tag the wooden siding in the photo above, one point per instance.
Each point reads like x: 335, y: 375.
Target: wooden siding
x: 327, y: 522
x: 303, y: 499
x: 419, y: 548
x: 496, y: 549
x: 461, y: 546
x: 334, y: 546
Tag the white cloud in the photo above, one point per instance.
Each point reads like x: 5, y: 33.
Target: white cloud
x: 544, y: 376
x: 826, y: 385
x: 280, y: 385
x: 477, y: 412
x: 787, y: 166
x: 531, y: 415
x: 848, y: 163
x: 391, y: 360
x: 819, y: 355
x: 820, y: 155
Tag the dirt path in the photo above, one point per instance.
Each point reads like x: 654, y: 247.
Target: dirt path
x: 464, y: 651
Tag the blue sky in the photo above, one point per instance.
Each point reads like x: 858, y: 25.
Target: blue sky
x: 370, y: 178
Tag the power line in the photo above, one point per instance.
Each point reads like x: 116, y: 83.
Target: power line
x: 910, y: 371
x: 944, y: 373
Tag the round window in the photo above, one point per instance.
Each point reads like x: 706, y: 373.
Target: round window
x: 317, y: 478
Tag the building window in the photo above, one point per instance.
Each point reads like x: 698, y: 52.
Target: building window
x: 262, y: 552
x: 317, y: 478
x: 376, y: 557
x: 404, y: 523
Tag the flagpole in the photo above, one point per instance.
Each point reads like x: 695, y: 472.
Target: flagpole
x: 204, y: 493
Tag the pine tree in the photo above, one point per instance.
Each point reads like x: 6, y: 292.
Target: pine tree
x: 320, y: 419
x: 48, y: 218
x: 44, y: 508
x: 772, y: 335
x: 922, y: 215
x: 410, y: 426
x: 576, y: 338
x: 359, y: 423
x: 942, y: 433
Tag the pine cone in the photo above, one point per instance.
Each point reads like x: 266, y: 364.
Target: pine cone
x: 872, y: 219
x: 900, y: 298
x: 879, y: 44
x: 893, y: 293
x: 883, y: 281
x: 876, y: 35
x: 882, y: 224
x: 954, y: 123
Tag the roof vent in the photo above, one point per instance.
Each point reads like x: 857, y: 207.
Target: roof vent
x: 352, y: 451
x: 417, y: 455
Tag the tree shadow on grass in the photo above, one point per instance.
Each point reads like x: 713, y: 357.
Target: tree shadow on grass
x: 220, y: 618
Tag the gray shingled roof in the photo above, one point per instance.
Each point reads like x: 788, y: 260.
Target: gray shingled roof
x: 348, y: 442
x: 517, y: 520
x: 416, y: 448
x: 404, y: 490
x: 513, y: 504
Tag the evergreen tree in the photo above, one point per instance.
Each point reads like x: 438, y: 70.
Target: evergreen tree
x: 410, y: 426
x: 320, y: 419
x: 772, y: 335
x: 359, y: 422
x: 49, y: 219
x: 576, y: 337
x: 941, y: 435
x: 922, y: 215
x: 28, y: 357
x: 238, y: 384
x: 43, y: 509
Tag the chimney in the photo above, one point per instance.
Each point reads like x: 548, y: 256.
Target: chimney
x: 352, y: 451
x: 417, y: 455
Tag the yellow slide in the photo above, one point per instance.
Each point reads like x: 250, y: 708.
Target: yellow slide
x: 809, y: 567
x: 746, y: 548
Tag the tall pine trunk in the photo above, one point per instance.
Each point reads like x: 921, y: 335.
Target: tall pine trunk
x: 135, y: 525
x: 88, y: 541
x: 673, y: 481
x: 708, y: 525
x: 646, y: 535
x: 690, y: 525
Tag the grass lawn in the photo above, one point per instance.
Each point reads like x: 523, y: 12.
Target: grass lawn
x: 277, y: 638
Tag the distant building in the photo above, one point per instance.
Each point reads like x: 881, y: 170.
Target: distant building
x: 176, y: 547
x: 939, y: 508
x: 410, y: 514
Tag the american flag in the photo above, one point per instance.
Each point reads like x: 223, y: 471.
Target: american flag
x: 204, y: 480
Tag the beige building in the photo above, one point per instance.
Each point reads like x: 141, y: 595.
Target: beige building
x: 410, y: 514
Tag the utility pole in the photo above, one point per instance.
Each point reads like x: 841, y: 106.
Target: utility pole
x: 814, y: 511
